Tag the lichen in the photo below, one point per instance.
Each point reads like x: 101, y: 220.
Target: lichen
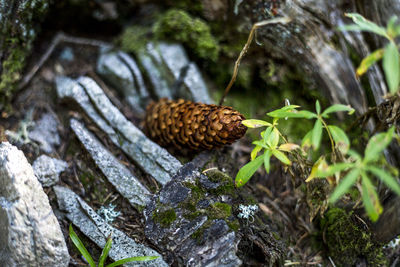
x: 346, y: 239
x: 177, y: 25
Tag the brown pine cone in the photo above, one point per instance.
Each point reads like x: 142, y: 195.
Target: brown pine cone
x: 197, y: 126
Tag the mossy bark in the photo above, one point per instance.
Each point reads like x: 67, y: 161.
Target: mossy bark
x: 18, y: 21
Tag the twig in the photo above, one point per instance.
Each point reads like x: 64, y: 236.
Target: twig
x: 59, y: 38
x: 257, y: 25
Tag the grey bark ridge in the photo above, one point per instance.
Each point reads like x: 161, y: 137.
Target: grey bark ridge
x: 48, y: 170
x: 153, y: 159
x: 121, y: 71
x: 116, y: 173
x: 29, y: 232
x: 97, y: 230
x: 218, y: 242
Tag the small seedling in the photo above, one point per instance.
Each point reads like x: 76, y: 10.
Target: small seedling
x: 389, y: 54
x: 82, y: 249
x: 352, y: 169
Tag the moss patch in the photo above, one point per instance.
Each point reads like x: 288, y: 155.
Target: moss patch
x: 165, y: 218
x: 134, y: 38
x: 194, y: 33
x: 346, y: 240
x: 219, y: 210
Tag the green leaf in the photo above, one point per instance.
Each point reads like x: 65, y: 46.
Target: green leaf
x: 391, y: 66
x: 370, y: 199
x: 338, y: 108
x: 81, y: 247
x: 306, y: 142
x: 255, y: 123
x: 247, y: 171
x: 255, y: 151
x: 260, y: 143
x: 319, y: 166
x: 377, y: 144
x: 267, y: 134
x: 273, y: 138
x: 391, y: 26
x: 104, y: 253
x: 344, y: 185
x: 289, y: 107
x: 291, y: 112
x: 307, y: 114
x: 369, y: 60
x: 386, y: 178
x: 332, y: 169
x: 365, y: 25
x: 316, y: 134
x: 340, y: 138
x: 285, y: 114
x: 267, y: 157
x: 354, y: 155
x: 317, y: 107
x: 288, y: 147
x: 126, y: 260
x: 281, y: 156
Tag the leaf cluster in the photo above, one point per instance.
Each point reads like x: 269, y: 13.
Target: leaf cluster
x: 355, y: 169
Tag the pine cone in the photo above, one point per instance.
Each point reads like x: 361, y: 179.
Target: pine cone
x: 197, y: 126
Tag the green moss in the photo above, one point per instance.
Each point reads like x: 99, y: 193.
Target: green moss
x: 226, y: 187
x: 346, y: 239
x: 234, y: 225
x: 194, y: 33
x: 134, y: 38
x: 198, y: 235
x: 12, y: 68
x: 165, y: 218
x: 219, y: 210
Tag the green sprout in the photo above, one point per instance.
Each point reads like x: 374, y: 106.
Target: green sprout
x: 82, y: 249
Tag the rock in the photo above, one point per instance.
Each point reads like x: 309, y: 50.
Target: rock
x: 47, y: 169
x: 29, y: 232
x: 161, y: 88
x: 97, y: 230
x: 149, y: 156
x: 121, y: 72
x: 45, y: 133
x: 172, y: 74
x: 193, y: 86
x: 116, y: 173
x: 194, y: 223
